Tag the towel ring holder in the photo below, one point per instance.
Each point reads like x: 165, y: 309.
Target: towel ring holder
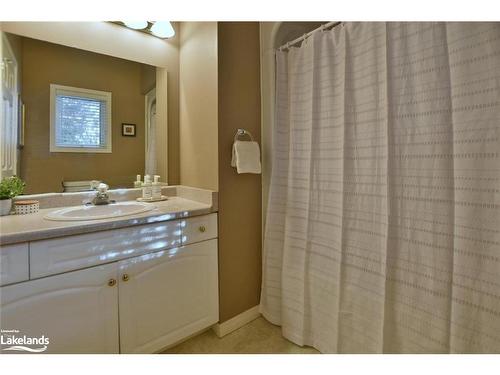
x: 241, y: 133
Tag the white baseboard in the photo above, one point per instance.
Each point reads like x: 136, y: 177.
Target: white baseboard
x: 182, y: 340
x: 222, y: 329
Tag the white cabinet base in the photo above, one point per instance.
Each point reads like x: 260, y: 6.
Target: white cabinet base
x: 149, y: 296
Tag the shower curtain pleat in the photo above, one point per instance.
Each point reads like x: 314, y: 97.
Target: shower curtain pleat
x: 272, y: 262
x: 382, y: 230
x: 418, y: 292
x: 474, y: 56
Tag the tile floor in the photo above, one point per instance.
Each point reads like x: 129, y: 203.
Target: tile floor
x: 257, y: 337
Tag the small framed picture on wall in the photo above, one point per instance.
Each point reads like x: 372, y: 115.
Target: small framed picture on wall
x: 128, y: 130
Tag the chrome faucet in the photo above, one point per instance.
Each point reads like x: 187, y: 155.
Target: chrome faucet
x: 101, y: 196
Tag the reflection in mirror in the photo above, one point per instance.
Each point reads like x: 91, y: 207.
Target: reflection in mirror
x: 79, y: 117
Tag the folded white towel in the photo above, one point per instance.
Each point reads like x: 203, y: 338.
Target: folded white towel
x: 246, y: 157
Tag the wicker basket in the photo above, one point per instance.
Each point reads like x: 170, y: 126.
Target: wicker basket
x: 26, y: 207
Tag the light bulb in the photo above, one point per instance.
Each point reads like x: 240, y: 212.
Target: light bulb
x: 136, y: 25
x: 163, y: 29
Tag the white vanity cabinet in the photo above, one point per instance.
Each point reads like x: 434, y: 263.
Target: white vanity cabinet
x: 130, y: 290
x: 167, y: 296
x: 77, y: 311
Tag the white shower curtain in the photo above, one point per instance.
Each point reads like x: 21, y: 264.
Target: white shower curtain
x: 383, y: 223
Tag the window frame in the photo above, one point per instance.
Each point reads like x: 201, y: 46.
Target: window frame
x: 82, y: 93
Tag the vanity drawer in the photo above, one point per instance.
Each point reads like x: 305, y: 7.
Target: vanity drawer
x: 199, y: 228
x: 14, y: 263
x: 48, y: 257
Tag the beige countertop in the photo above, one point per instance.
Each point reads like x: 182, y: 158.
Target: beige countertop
x: 33, y: 227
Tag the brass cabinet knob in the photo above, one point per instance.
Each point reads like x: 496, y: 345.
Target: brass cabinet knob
x: 111, y: 282
x: 125, y: 277
x: 202, y: 229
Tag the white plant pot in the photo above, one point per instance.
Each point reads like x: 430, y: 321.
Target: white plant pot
x: 5, y: 206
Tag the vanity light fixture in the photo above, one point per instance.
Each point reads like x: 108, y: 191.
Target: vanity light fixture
x: 159, y: 29
x: 163, y: 29
x: 136, y: 25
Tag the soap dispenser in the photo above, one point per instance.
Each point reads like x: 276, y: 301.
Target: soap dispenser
x: 138, y: 182
x: 147, y: 190
x: 156, y: 187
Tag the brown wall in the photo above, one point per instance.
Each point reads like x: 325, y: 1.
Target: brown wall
x: 239, y: 195
x: 45, y: 63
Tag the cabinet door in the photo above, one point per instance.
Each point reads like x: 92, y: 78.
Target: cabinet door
x: 168, y: 296
x: 77, y: 311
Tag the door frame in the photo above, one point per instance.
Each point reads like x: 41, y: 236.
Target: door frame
x: 10, y: 150
x: 149, y: 99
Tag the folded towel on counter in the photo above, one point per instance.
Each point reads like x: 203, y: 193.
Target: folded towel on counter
x: 246, y: 157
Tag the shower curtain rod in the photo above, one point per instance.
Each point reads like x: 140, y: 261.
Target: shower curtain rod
x: 307, y: 35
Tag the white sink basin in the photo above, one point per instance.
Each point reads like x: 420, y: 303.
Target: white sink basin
x: 99, y: 212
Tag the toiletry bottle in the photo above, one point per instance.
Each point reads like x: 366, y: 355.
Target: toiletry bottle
x: 156, y: 187
x: 147, y: 192
x: 137, y: 182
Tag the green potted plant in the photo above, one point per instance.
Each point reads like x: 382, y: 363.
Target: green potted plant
x: 10, y: 187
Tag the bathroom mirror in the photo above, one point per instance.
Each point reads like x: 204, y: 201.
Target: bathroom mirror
x: 73, y: 116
